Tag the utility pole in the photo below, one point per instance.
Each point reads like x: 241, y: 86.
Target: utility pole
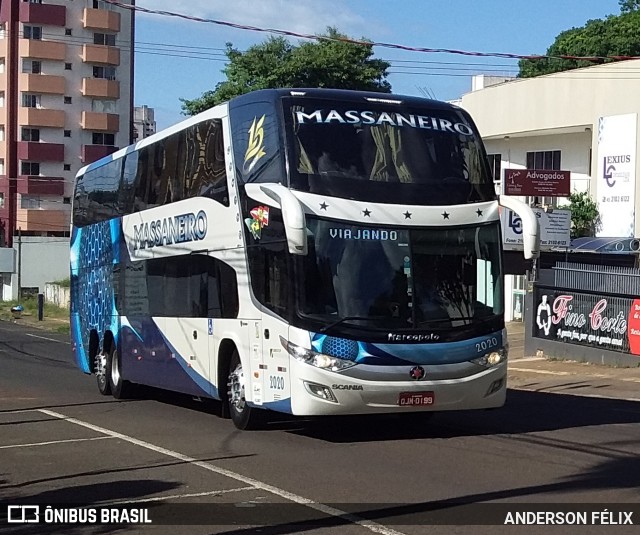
x: 19, y: 265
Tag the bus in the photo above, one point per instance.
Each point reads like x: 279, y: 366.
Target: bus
x: 304, y: 251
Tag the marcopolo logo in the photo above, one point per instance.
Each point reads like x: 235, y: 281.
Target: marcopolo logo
x: 181, y: 228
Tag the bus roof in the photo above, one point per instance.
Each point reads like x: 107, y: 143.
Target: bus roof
x: 343, y: 95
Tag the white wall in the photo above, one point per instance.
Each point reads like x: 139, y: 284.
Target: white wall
x: 43, y: 260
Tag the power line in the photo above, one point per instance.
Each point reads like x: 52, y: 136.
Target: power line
x: 595, y: 59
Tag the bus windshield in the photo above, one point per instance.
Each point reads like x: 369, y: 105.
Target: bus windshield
x: 434, y: 154
x: 389, y: 278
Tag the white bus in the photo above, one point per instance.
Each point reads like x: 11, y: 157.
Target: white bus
x: 307, y: 251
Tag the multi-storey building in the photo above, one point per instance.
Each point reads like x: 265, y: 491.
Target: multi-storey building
x: 144, y: 123
x: 66, y: 99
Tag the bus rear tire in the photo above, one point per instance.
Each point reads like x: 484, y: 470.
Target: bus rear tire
x: 120, y: 389
x: 102, y: 373
x: 243, y: 416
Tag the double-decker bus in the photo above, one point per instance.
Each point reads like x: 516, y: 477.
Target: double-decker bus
x: 307, y: 251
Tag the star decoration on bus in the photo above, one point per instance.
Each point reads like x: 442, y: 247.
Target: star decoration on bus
x: 479, y: 212
x: 324, y: 206
x: 407, y: 215
x: 445, y: 215
x: 367, y: 213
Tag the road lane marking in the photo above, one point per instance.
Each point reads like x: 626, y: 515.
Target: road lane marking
x: 49, y: 339
x: 572, y: 393
x: 325, y: 509
x: 533, y: 370
x: 52, y: 442
x: 178, y: 496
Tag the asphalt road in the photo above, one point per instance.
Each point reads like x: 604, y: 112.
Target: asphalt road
x: 61, y: 443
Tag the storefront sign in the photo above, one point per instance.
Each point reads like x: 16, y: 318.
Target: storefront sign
x: 616, y: 172
x: 555, y: 229
x: 605, y: 322
x: 537, y: 182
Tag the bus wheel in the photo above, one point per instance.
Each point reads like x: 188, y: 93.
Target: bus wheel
x: 120, y: 388
x: 243, y: 416
x: 102, y: 378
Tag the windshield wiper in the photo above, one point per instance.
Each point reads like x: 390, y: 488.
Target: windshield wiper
x: 349, y: 318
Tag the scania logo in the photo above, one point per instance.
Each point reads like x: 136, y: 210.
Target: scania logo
x: 417, y: 373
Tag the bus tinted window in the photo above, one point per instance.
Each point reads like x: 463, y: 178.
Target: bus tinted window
x: 434, y: 155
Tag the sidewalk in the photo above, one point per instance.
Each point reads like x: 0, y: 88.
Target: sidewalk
x: 530, y: 372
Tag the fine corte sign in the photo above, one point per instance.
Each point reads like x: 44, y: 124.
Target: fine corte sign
x: 537, y: 182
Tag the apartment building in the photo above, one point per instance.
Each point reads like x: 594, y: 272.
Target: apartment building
x: 66, y: 100
x: 144, y: 123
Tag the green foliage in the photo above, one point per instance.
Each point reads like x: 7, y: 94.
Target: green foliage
x: 585, y: 218
x: 616, y: 35
x: 277, y: 63
x: 64, y: 283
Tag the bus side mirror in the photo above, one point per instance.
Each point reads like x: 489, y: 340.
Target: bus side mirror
x: 530, y: 226
x: 293, y: 216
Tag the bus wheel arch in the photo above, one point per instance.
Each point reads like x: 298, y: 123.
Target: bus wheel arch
x: 233, y: 387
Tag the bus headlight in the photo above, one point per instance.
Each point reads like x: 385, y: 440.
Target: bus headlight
x: 319, y: 360
x: 493, y: 358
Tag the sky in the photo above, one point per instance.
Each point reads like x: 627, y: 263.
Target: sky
x: 177, y: 58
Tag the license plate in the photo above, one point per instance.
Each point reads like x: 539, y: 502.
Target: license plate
x: 416, y: 399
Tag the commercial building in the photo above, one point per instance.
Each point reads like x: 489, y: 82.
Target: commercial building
x: 584, y: 121
x: 66, y: 99
x: 144, y: 123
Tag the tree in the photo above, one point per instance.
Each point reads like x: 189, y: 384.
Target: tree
x: 585, y: 217
x: 277, y: 63
x: 616, y: 35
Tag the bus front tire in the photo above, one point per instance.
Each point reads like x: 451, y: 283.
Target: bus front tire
x: 243, y: 416
x: 120, y: 389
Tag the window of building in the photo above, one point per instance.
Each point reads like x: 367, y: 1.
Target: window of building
x: 1, y: 65
x: 1, y: 134
x: 106, y: 73
x: 2, y: 199
x: 68, y: 66
x: 103, y: 106
x: 495, y: 163
x: 66, y: 200
x: 30, y: 134
x: 104, y: 39
x: 67, y: 133
x: 30, y: 168
x: 32, y: 32
x: 2, y: 166
x: 30, y: 202
x: 67, y: 100
x: 67, y: 31
x: 31, y: 66
x: 29, y: 100
x: 101, y: 138
x: 1, y: 99
x: 67, y: 167
x: 100, y: 4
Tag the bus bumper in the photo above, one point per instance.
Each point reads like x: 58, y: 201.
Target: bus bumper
x: 321, y: 392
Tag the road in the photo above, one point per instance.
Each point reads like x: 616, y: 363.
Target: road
x: 63, y: 443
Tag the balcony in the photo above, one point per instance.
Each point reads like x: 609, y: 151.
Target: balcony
x: 40, y: 117
x: 101, y: 19
x: 43, y: 220
x: 40, y: 185
x: 38, y: 49
x: 35, y: 151
x: 42, y: 83
x: 92, y: 153
x: 100, y: 88
x: 101, y: 54
x: 101, y: 122
x: 46, y: 14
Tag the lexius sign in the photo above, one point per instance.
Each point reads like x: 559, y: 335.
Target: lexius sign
x: 537, y: 182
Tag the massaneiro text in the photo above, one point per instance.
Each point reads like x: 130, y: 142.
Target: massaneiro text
x: 181, y: 228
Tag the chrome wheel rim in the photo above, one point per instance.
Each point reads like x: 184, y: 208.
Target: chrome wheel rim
x: 235, y: 389
x: 101, y: 369
x: 115, y: 369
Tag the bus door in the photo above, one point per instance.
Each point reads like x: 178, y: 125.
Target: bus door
x: 277, y: 387
x: 198, y: 351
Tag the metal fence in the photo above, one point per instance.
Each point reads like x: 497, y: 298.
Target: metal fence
x: 605, y: 279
